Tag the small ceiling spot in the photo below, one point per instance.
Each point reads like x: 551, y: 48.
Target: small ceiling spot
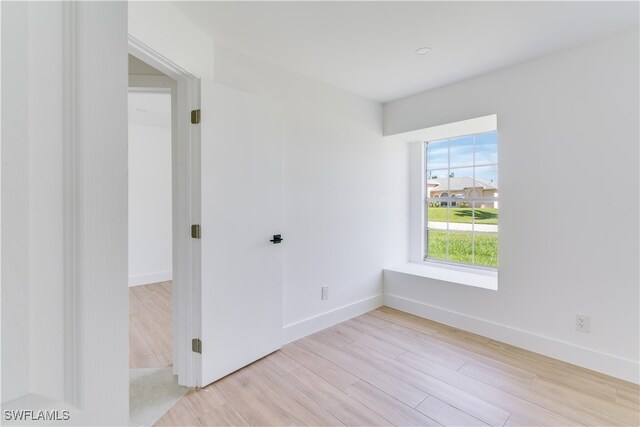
x: 423, y: 50
x: 141, y: 110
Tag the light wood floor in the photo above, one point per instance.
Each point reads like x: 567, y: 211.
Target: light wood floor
x: 150, y: 326
x: 391, y: 368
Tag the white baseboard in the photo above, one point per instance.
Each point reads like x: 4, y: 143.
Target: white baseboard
x: 322, y: 321
x: 145, y: 279
x: 626, y: 369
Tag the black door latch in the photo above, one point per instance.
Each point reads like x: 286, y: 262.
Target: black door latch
x: 277, y: 238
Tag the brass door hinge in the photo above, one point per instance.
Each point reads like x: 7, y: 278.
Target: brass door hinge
x: 196, y: 345
x: 195, y: 116
x: 195, y: 231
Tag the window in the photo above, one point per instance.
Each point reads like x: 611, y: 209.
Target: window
x: 461, y: 204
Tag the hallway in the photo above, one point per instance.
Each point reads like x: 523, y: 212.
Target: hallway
x: 153, y: 388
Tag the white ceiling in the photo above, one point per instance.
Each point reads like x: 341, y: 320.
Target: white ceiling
x: 368, y: 47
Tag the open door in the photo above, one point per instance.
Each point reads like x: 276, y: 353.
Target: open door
x: 241, y: 211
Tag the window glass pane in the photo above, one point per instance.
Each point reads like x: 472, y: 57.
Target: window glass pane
x: 460, y: 181
x: 459, y: 227
x: 486, y: 249
x: 486, y: 148
x: 461, y: 151
x: 438, y: 154
x: 460, y: 247
x: 485, y: 242
x: 437, y: 173
x: 486, y: 184
x: 460, y: 216
x: 485, y: 216
x: 437, y: 215
x: 437, y: 244
x: 437, y: 182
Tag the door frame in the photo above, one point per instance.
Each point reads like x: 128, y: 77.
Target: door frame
x: 185, y: 176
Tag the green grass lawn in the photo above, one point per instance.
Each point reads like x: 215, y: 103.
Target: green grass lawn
x: 486, y: 247
x: 483, y: 215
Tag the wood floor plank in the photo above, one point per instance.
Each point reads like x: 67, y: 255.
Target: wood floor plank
x: 518, y: 421
x: 493, y: 395
x: 296, y: 403
x: 434, y: 327
x: 332, y: 373
x: 252, y: 405
x: 605, y: 380
x: 348, y: 410
x: 403, y: 329
x: 394, y: 411
x: 430, y: 352
x: 180, y: 414
x: 544, y: 399
x: 480, y: 391
x: 561, y: 372
x: 393, y: 386
x: 628, y: 398
x: 224, y: 415
x: 353, y: 334
x: 492, y: 355
x: 212, y: 408
x: 202, y: 400
x: 472, y: 404
x: 446, y: 414
x: 481, y: 371
x: 140, y: 354
x: 603, y: 409
x: 385, y: 368
x: 150, y: 326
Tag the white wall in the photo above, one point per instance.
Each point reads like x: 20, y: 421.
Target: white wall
x: 345, y: 192
x: 345, y: 187
x: 64, y: 298
x: 32, y: 283
x: 150, y: 247
x: 568, y: 151
x: 15, y: 200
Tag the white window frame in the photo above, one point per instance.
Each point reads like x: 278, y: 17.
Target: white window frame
x: 416, y: 140
x: 451, y: 198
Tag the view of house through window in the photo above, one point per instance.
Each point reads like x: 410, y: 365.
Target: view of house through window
x: 461, y: 204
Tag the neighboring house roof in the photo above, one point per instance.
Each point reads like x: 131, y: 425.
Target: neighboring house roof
x: 459, y: 184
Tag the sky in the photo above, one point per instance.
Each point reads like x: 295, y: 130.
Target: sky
x: 461, y: 160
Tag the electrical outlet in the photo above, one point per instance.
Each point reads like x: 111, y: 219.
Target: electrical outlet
x: 325, y: 292
x: 582, y: 323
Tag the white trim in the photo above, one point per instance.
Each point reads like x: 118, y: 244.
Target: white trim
x: 71, y: 227
x: 302, y: 328
x: 461, y: 274
x: 416, y: 202
x: 157, y: 61
x: 185, y: 255
x: 192, y: 313
x: 450, y: 130
x: 609, y: 364
x: 146, y: 279
x: 98, y: 127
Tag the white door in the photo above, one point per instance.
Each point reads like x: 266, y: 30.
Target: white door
x: 241, y: 210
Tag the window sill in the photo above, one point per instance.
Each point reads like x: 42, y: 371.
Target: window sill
x: 454, y: 274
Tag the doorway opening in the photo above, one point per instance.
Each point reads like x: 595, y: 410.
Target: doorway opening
x: 151, y: 135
